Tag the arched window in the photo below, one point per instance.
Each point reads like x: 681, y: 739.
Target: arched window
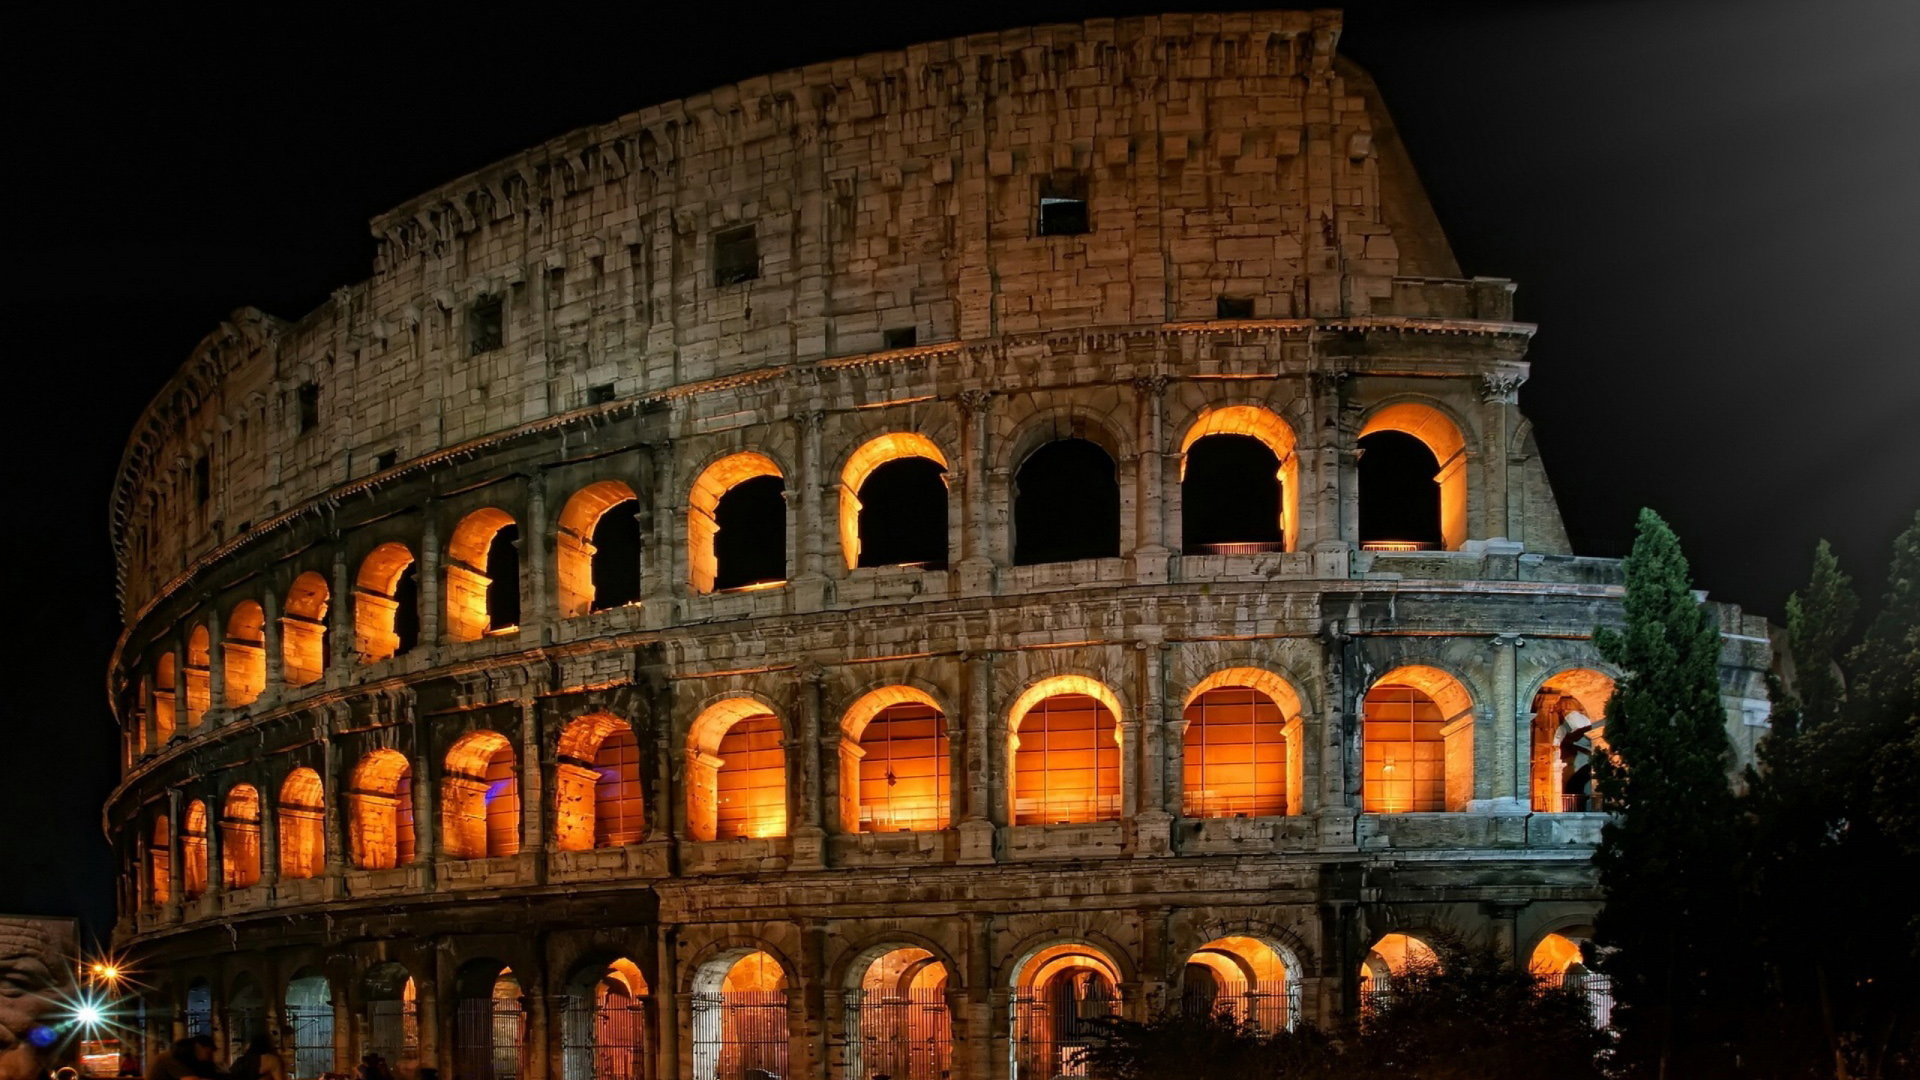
x: 160, y: 862
x: 736, y: 772
x: 1392, y: 956
x: 1066, y: 753
x: 894, y: 774
x: 1413, y: 480
x: 240, y: 837
x: 1559, y: 961
x: 142, y: 708
x: 199, y: 1018
x: 163, y: 701
x: 1066, y: 504
x: 483, y: 576
x: 1567, y: 732
x: 737, y: 524
x: 1235, y: 760
x: 310, y: 1025
x: 303, y: 631
x: 393, y: 1014
x: 1417, y: 737
x: 897, y: 1019
x: 386, y: 604
x: 603, y: 1030
x: 193, y: 850
x: 597, y: 794
x: 598, y: 549
x: 893, y: 503
x: 199, y: 669
x: 740, y: 1017
x: 246, y: 1011
x: 1062, y: 996
x: 1239, y: 483
x: 480, y: 798
x: 245, y: 653
x: 303, y: 816
x: 490, y: 1023
x: 380, y: 811
x: 1244, y: 977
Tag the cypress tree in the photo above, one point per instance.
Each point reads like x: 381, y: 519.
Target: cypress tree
x: 1668, y: 857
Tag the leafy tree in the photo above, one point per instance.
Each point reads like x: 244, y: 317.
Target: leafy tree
x: 1669, y: 857
x: 1209, y: 1046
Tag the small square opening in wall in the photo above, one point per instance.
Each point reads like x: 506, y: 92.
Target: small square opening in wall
x: 486, y: 324
x: 601, y: 394
x: 736, y: 256
x: 905, y: 337
x: 202, y: 479
x: 384, y: 461
x: 1063, y: 204
x: 309, y: 398
x: 1234, y: 307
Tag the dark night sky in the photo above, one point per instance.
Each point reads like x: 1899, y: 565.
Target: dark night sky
x: 1712, y: 209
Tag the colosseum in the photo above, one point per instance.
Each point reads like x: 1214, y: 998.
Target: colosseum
x: 857, y: 573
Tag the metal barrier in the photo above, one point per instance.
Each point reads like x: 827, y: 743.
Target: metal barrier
x: 311, y: 1028
x: 393, y: 1030
x: 1049, y: 1042
x: 488, y: 1036
x: 736, y: 1034
x: 899, y: 1037
x: 604, y: 1042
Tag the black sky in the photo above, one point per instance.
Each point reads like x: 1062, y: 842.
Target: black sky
x: 1712, y: 209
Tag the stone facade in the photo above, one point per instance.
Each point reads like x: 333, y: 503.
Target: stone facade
x: 554, y: 335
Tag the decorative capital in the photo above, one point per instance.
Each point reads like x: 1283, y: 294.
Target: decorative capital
x: 973, y: 401
x: 1328, y: 380
x: 1150, y: 384
x: 812, y: 419
x: 1501, y: 387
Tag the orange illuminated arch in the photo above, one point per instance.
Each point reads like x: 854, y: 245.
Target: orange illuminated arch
x: 1241, y: 752
x: 240, y: 837
x: 245, y: 653
x: 303, y: 815
x: 597, y: 793
x: 160, y: 861
x: 1274, y: 433
x: 736, y: 772
x: 1062, y: 993
x: 480, y: 797
x: 573, y: 546
x: 1067, y: 768
x: 901, y: 997
x: 1250, y: 978
x: 894, y: 773
x: 872, y: 454
x: 715, y: 481
x: 1395, y: 954
x: 303, y: 631
x: 740, y: 1016
x: 193, y: 850
x: 376, y: 602
x: 199, y: 669
x: 163, y: 700
x: 1568, y: 729
x: 380, y: 811
x: 1442, y: 436
x: 1417, y: 743
x: 1555, y: 954
x: 472, y: 593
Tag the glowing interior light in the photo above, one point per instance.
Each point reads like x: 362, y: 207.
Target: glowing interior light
x: 87, y: 1014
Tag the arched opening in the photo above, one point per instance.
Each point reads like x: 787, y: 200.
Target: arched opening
x: 1236, y: 752
x: 245, y: 654
x: 598, y: 549
x: 303, y: 825
x: 490, y: 1023
x: 1060, y: 997
x: 310, y: 1025
x: 1066, y: 504
x: 898, y: 1025
x: 193, y: 851
x: 386, y: 604
x: 737, y: 524
x: 736, y: 772
x: 246, y: 1011
x: 163, y: 701
x: 1417, y: 737
x: 240, y: 837
x: 598, y: 800
x: 393, y: 1014
x: 380, y: 811
x: 1244, y: 977
x: 1413, y: 480
x: 480, y: 798
x: 1558, y: 960
x: 604, y: 1024
x: 740, y: 1018
x: 1391, y: 956
x: 1239, y: 483
x: 893, y: 503
x: 303, y: 631
x: 199, y: 1014
x: 894, y: 774
x: 198, y: 675
x: 483, y: 576
x: 1568, y: 729
x: 160, y: 862
x: 1065, y: 737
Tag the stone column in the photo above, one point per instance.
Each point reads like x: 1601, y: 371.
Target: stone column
x: 334, y: 771
x: 808, y: 1022
x: 983, y: 1010
x: 666, y: 1000
x: 809, y: 837
x: 1152, y: 813
x: 533, y: 1002
x: 533, y: 786
x: 976, y: 559
x: 660, y: 570
x: 270, y: 839
x: 426, y: 805
x: 341, y: 647
x: 1326, y: 469
x: 272, y: 642
x: 808, y: 576
x: 216, y: 672
x: 216, y: 850
x: 538, y: 609
x: 1334, y: 750
x: 428, y: 575
x: 1152, y: 552
x: 176, y: 855
x: 977, y: 829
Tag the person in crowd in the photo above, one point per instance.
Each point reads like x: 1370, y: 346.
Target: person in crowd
x: 190, y: 1059
x: 258, y: 1062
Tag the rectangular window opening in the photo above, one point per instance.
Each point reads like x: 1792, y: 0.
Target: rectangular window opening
x: 736, y: 256
x: 202, y: 479
x: 486, y: 324
x: 385, y: 461
x: 309, y: 396
x: 600, y: 395
x: 1063, y: 205
x: 906, y: 337
x: 1234, y: 307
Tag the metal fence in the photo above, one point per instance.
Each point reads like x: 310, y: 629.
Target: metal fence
x: 1270, y: 1006
x: 1051, y: 1041
x: 488, y: 1035
x: 740, y: 1035
x: 604, y: 1042
x: 244, y: 1022
x: 393, y: 1030
x: 1596, y: 988
x: 901, y: 1037
x: 311, y: 1028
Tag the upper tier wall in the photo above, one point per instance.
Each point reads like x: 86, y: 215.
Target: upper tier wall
x: 1220, y: 155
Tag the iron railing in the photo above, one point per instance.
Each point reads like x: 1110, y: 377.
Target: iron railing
x: 605, y: 1042
x: 393, y: 1030
x: 1272, y: 1007
x: 488, y: 1036
x: 1048, y: 1043
x: 739, y: 1035
x: 311, y: 1029
x: 900, y: 1037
